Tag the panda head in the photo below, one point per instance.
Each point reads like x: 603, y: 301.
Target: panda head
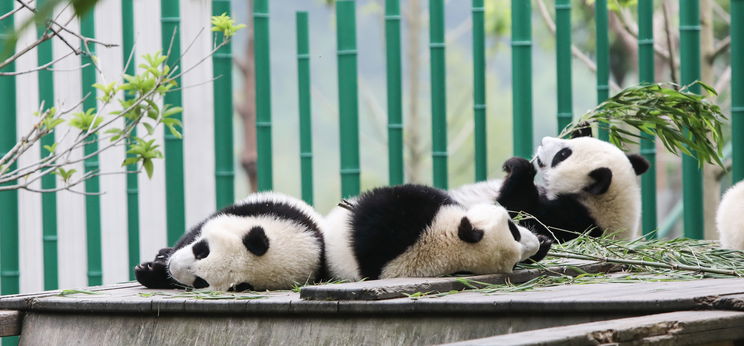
x: 493, y: 222
x: 586, y: 166
x: 245, y: 253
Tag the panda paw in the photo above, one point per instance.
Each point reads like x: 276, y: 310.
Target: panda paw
x: 153, y: 275
x: 519, y: 167
x: 545, y: 244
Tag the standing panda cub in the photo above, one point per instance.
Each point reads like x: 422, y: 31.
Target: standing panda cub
x: 266, y: 241
x: 729, y: 218
x: 419, y: 231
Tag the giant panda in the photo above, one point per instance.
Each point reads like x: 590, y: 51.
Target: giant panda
x: 729, y: 218
x: 266, y: 241
x: 420, y: 231
x: 588, y: 185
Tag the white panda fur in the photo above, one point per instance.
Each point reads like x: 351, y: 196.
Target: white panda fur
x: 483, y: 192
x: 266, y: 241
x: 435, y: 248
x: 729, y: 218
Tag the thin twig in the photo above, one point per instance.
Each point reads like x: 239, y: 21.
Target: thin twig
x: 670, y: 43
x: 38, y: 68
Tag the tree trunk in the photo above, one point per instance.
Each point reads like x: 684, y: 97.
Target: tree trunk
x: 247, y: 111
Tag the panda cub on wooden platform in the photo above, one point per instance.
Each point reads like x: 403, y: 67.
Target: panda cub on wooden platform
x: 587, y: 184
x: 729, y: 218
x: 266, y: 241
x: 419, y: 231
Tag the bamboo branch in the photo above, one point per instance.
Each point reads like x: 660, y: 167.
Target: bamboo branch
x: 644, y: 263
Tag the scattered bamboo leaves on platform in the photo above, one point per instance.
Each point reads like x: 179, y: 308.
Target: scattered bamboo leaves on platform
x: 684, y: 121
x: 643, y: 261
x: 205, y: 295
x: 68, y: 292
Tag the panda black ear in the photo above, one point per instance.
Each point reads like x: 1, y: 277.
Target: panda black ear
x: 640, y: 164
x: 468, y: 233
x: 602, y: 180
x: 582, y: 130
x: 256, y: 241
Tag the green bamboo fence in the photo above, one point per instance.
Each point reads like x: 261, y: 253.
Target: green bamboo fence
x: 91, y: 164
x: 303, y: 83
x: 348, y: 108
x: 263, y: 93
x: 394, y: 93
x: 648, y: 143
x: 9, y: 270
x: 48, y: 199
x: 174, y: 184
x: 479, y: 91
x: 224, y: 171
x: 127, y: 39
x: 692, y: 181
x: 603, y: 57
x: 563, y: 62
x: 437, y: 62
x: 521, y: 44
x: 737, y: 87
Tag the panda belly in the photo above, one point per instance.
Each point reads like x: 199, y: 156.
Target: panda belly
x: 729, y: 221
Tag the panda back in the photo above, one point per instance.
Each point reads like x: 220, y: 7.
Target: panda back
x: 387, y: 221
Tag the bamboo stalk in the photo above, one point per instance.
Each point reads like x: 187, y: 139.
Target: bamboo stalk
x: 479, y: 91
x: 394, y: 93
x: 563, y: 62
x: 521, y: 45
x: 348, y: 97
x: 648, y: 142
x: 306, y: 127
x: 263, y: 94
x: 224, y: 170
x: 438, y: 94
x: 127, y: 16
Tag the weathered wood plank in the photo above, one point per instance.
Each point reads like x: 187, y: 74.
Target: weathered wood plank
x: 400, y: 287
x: 677, y: 328
x: 10, y: 322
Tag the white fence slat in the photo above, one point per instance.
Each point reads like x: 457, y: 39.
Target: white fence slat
x: 29, y: 203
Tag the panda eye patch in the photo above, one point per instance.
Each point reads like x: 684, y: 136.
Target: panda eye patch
x: 200, y: 250
x: 561, y: 156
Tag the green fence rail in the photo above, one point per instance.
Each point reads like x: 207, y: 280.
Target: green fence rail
x: 692, y: 180
x: 737, y: 87
x: 394, y: 93
x: 348, y: 95
x: 437, y: 61
x: 648, y: 143
x: 224, y: 170
x: 48, y: 199
x: 603, y: 57
x: 521, y: 44
x: 263, y: 94
x: 479, y: 91
x: 91, y: 164
x: 563, y: 62
x: 174, y: 185
x: 9, y: 263
x: 306, y: 127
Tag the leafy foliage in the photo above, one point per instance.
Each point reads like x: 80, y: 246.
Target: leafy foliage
x: 684, y: 121
x: 224, y: 24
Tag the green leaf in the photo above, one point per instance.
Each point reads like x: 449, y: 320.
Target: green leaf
x: 150, y: 129
x: 51, y: 148
x: 147, y: 164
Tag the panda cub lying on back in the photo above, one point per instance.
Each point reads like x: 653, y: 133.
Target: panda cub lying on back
x: 588, y: 184
x: 266, y: 241
x: 419, y: 231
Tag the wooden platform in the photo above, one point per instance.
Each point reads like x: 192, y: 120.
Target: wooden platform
x: 378, y: 312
